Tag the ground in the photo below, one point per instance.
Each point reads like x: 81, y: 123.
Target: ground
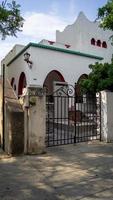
x: 71, y: 172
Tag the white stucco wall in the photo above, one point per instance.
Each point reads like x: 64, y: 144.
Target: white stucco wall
x: 17, y: 67
x: 44, y: 61
x: 106, y: 116
x: 80, y: 33
x: 11, y: 54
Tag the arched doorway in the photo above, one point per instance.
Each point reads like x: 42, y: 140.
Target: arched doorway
x: 22, y: 83
x: 51, y: 78
x: 78, y: 88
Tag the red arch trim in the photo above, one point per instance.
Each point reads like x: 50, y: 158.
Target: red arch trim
x: 93, y: 41
x: 60, y: 75
x: 22, y: 83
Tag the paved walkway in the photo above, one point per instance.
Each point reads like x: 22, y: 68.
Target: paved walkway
x: 71, y: 172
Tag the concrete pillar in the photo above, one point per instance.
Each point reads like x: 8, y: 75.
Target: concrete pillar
x: 35, y: 121
x: 107, y: 116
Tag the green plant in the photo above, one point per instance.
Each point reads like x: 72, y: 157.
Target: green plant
x: 100, y: 78
x: 11, y: 20
x: 32, y: 101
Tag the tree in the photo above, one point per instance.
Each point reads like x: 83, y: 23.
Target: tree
x: 11, y: 20
x: 100, y: 78
x: 105, y: 14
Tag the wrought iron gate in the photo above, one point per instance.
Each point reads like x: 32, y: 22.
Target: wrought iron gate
x: 72, y: 118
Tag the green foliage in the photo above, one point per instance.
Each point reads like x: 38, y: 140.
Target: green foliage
x: 100, y: 78
x: 10, y: 19
x: 105, y: 14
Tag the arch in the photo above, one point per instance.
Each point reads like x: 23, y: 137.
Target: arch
x: 22, y: 83
x: 92, y: 41
x: 83, y: 76
x: 78, y: 88
x: 98, y: 43
x: 52, y: 76
x: 104, y: 44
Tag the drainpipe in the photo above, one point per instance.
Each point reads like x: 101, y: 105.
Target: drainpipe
x: 3, y: 108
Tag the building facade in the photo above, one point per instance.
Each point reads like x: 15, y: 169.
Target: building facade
x: 65, y: 60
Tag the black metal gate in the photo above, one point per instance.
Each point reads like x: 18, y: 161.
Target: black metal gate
x: 72, y: 118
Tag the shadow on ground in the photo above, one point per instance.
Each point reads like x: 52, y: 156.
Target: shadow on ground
x: 71, y: 172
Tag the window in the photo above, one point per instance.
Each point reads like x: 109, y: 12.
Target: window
x: 104, y: 45
x: 22, y: 83
x: 98, y: 43
x: 92, y: 41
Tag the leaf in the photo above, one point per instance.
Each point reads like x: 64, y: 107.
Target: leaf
x: 11, y: 20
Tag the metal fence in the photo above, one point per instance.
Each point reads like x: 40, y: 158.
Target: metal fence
x: 72, y: 118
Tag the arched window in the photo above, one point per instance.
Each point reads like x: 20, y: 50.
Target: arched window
x: 92, y: 41
x: 22, y: 83
x: 104, y: 44
x: 98, y: 43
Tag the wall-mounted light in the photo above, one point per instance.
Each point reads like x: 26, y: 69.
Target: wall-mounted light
x: 27, y: 59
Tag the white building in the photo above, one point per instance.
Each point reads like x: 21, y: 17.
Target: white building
x: 65, y: 60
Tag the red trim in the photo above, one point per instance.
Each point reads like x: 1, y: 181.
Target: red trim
x: 98, y: 43
x: 60, y: 75
x: 83, y: 76
x: 52, y: 76
x: 51, y: 42
x: 22, y: 83
x: 67, y: 45
x: 61, y: 78
x: 92, y: 41
x: 104, y: 44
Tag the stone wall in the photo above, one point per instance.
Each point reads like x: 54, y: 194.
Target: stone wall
x: 14, y: 131
x: 1, y: 120
x: 13, y: 121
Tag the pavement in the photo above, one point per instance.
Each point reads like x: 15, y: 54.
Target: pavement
x: 72, y: 172
x: 3, y: 155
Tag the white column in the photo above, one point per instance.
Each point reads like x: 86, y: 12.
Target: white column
x: 107, y: 116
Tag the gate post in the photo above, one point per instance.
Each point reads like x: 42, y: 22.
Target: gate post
x: 35, y: 120
x: 75, y: 100
x: 107, y: 116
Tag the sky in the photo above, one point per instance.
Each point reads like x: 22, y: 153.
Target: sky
x: 44, y: 17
